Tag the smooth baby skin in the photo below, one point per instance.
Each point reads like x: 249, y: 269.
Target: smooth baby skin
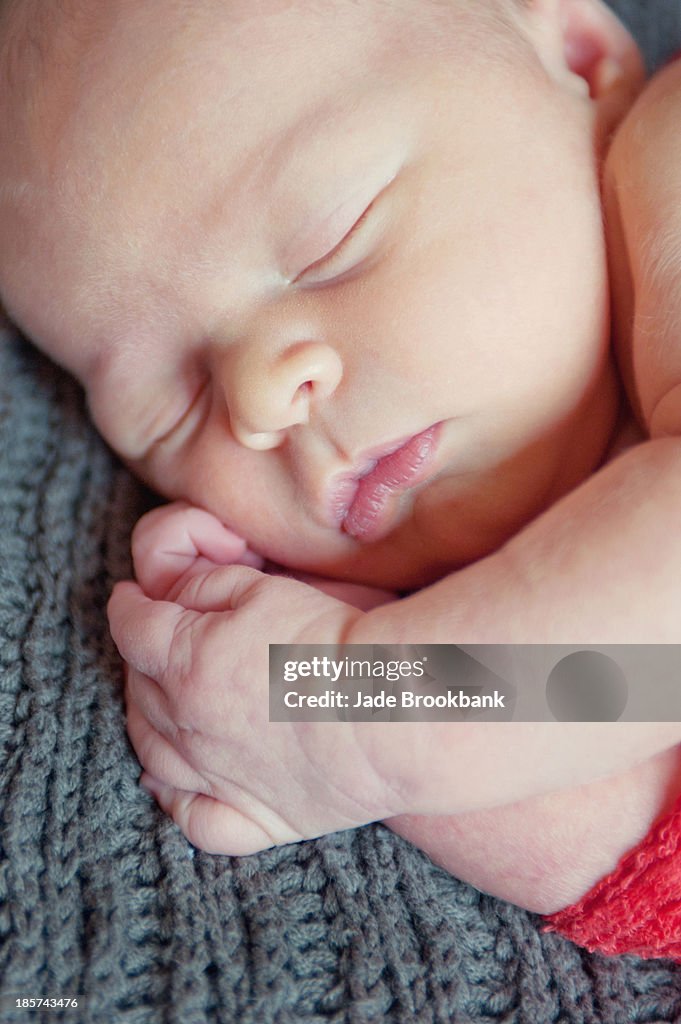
x: 642, y: 185
x: 237, y: 356
x: 541, y: 852
x: 172, y: 218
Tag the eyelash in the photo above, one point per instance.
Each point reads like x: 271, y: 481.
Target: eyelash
x: 339, y: 248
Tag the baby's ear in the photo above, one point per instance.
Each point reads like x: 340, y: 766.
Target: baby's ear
x: 584, y: 40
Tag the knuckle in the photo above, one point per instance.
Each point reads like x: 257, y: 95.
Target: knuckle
x: 148, y: 523
x: 252, y: 584
x: 194, y: 516
x: 202, y: 821
x: 192, y: 588
x: 240, y: 583
x: 143, y: 542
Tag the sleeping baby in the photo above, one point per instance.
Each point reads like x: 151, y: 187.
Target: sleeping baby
x: 334, y: 280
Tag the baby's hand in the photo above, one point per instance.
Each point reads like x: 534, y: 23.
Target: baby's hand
x: 174, y: 542
x: 198, y: 713
x: 192, y: 682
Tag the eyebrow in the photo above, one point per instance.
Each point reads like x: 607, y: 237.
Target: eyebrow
x: 310, y: 129
x: 359, y: 168
x: 315, y: 127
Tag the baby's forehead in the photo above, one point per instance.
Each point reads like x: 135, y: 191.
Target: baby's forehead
x: 93, y: 62
x: 119, y: 79
x: 61, y: 36
x: 135, y: 117
x: 85, y: 40
x: 144, y: 104
x: 80, y: 56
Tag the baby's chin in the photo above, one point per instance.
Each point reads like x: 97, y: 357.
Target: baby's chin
x: 445, y: 529
x: 405, y: 560
x: 398, y: 571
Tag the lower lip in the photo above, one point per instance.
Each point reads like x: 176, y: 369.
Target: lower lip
x: 368, y: 515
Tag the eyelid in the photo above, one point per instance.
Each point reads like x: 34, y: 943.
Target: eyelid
x: 340, y: 246
x: 186, y: 425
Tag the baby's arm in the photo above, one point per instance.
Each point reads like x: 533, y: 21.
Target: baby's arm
x: 603, y: 565
x: 197, y: 679
x: 642, y: 195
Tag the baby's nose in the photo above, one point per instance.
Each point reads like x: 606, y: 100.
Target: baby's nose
x: 267, y: 396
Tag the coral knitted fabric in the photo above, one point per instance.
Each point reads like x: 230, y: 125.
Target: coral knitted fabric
x: 637, y: 907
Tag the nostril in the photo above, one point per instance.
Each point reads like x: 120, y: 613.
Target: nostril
x: 301, y: 401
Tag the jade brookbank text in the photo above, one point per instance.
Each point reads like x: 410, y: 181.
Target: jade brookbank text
x: 372, y: 682
x: 381, y: 699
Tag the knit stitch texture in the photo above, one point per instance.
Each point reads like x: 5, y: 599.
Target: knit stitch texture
x: 101, y: 897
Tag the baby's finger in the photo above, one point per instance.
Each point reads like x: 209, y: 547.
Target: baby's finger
x: 144, y: 630
x: 158, y: 756
x: 213, y: 826
x: 250, y: 558
x: 199, y: 567
x: 168, y: 540
x: 222, y: 589
x: 144, y: 697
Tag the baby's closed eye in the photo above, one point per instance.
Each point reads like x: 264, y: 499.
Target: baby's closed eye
x: 147, y: 397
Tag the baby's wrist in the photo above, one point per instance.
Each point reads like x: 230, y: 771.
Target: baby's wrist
x: 384, y: 624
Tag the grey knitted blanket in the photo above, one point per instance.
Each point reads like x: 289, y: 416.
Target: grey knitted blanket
x: 101, y: 897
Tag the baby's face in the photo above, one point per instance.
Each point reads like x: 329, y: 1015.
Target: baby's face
x: 336, y: 282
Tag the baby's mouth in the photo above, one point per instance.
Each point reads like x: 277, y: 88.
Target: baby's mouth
x: 363, y: 502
